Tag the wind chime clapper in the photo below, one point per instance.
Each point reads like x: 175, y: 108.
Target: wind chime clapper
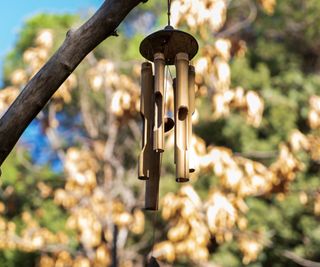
x: 164, y: 48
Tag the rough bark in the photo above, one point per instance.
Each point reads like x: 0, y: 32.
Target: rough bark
x: 43, y: 85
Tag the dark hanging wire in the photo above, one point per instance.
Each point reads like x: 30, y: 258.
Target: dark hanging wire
x: 154, y: 220
x: 169, y: 12
x: 170, y: 73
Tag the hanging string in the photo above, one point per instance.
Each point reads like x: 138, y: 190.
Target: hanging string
x: 170, y: 74
x: 154, y: 218
x: 169, y: 12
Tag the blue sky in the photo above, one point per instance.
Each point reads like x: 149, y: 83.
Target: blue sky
x: 14, y: 12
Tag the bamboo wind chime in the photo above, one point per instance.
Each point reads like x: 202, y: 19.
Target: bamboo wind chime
x: 164, y: 48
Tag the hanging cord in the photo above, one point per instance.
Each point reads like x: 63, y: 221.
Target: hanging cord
x: 170, y: 74
x: 154, y: 220
x: 169, y: 12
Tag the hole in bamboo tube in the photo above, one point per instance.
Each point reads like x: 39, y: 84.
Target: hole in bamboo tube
x: 143, y: 118
x: 158, y: 122
x: 158, y: 102
x: 182, y: 113
x: 182, y: 180
x: 168, y: 124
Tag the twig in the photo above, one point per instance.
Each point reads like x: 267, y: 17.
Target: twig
x: 258, y: 154
x: 86, y: 112
x: 53, y: 135
x: 299, y: 260
x: 242, y: 24
x: 135, y: 129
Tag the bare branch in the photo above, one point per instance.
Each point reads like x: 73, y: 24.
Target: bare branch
x: 299, y: 260
x: 43, y: 85
x: 258, y: 154
x: 242, y: 24
x: 89, y: 123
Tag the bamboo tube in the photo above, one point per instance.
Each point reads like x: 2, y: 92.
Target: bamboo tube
x: 146, y: 111
x: 191, y: 85
x: 153, y: 157
x: 158, y: 131
x: 152, y: 160
x: 152, y: 185
x: 181, y: 117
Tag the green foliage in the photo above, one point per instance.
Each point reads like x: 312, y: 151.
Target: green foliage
x: 22, y: 177
x: 14, y: 258
x: 278, y: 65
x: 58, y: 23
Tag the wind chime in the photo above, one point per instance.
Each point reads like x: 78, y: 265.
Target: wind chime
x: 164, y: 48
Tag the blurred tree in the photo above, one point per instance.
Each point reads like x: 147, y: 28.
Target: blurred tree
x: 255, y: 198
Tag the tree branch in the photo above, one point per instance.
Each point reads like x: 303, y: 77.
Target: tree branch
x: 43, y: 85
x: 299, y: 260
x: 257, y: 154
x: 242, y: 24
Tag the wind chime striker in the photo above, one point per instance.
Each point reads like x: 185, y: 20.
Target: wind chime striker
x: 164, y: 48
